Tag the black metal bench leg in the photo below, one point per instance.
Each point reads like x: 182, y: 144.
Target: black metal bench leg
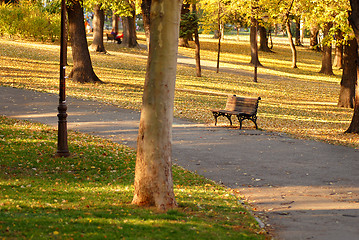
x: 229, y: 118
x: 254, y: 119
x: 215, y: 115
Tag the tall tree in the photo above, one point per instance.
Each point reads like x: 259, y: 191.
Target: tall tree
x: 327, y: 67
x: 263, y: 39
x: 253, y: 33
x: 349, y: 77
x: 297, y: 31
x: 98, y: 24
x: 82, y: 70
x: 153, y: 173
x: 196, y: 41
x: 129, y: 28
x: 290, y: 36
x: 146, y: 7
x: 354, y: 22
x: 339, y: 47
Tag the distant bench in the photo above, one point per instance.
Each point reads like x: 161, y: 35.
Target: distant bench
x: 243, y: 108
x: 110, y: 37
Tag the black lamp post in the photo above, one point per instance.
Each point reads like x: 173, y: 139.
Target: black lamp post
x: 62, y: 147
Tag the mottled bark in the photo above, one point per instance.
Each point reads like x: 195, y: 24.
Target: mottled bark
x: 349, y: 77
x: 98, y: 24
x: 82, y: 70
x: 153, y: 174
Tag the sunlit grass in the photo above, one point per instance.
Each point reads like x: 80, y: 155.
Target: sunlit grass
x: 88, y: 195
x: 297, y: 101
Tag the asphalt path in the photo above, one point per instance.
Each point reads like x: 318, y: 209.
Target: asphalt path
x: 300, y: 189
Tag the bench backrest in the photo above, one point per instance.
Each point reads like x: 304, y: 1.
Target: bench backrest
x: 242, y: 104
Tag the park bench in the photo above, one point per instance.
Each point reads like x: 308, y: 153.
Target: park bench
x: 242, y: 107
x: 110, y: 37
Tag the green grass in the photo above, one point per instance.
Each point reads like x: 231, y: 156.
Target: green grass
x: 88, y: 195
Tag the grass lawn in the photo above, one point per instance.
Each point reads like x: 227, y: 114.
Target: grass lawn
x: 300, y: 101
x: 88, y: 195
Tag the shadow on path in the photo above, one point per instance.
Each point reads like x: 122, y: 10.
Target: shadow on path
x: 307, y: 189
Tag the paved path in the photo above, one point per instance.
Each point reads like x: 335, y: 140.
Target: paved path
x: 305, y: 189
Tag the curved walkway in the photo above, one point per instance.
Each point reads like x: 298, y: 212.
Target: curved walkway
x: 302, y: 189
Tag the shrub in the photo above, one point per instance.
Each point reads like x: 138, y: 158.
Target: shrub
x: 28, y: 20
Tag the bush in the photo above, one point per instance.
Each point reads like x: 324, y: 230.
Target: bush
x: 28, y: 20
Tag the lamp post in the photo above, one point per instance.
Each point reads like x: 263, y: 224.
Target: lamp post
x: 62, y: 147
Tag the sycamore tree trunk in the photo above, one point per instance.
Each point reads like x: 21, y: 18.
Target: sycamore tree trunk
x: 327, y: 67
x: 297, y: 32
x: 349, y: 77
x: 263, y: 40
x: 354, y: 22
x: 196, y: 41
x: 313, y: 43
x: 338, y: 59
x: 82, y: 70
x: 253, y: 42
x: 153, y: 174
x: 292, y: 46
x: 115, y: 19
x: 129, y: 30
x: 98, y: 23
x: 146, y: 7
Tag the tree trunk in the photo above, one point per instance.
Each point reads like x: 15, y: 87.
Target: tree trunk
x: 327, y: 52
x: 263, y: 40
x: 314, y: 44
x: 253, y: 42
x: 349, y: 77
x: 196, y: 41
x: 297, y: 32
x: 82, y: 70
x: 153, y: 174
x: 338, y: 59
x: 98, y: 23
x: 354, y: 22
x: 219, y: 35
x: 292, y: 46
x: 183, y: 42
x: 146, y: 8
x: 115, y: 19
x: 129, y: 30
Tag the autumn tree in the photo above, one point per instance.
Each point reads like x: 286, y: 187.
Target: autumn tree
x: 349, y: 76
x: 153, y: 173
x: 145, y: 8
x: 354, y: 22
x: 327, y: 51
x: 82, y: 70
x: 98, y: 25
x: 129, y: 26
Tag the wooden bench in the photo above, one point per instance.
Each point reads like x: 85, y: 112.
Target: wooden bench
x: 110, y: 37
x: 243, y: 108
